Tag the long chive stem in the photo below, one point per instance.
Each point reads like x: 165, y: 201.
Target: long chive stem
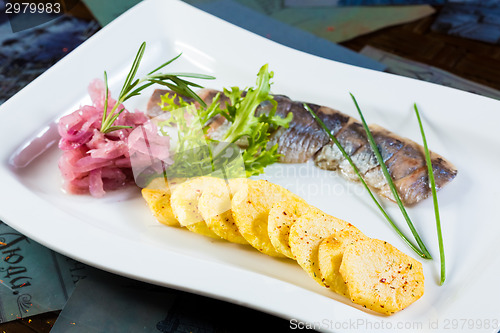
x: 356, y: 170
x: 388, y: 177
x: 434, y: 197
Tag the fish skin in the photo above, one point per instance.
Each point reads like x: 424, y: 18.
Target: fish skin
x: 305, y: 139
x: 388, y: 145
x: 353, y: 139
x: 301, y: 140
x: 296, y: 144
x: 405, y: 161
x: 414, y: 187
x: 413, y: 160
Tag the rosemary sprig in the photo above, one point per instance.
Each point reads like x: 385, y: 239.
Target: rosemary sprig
x: 388, y: 177
x: 434, y: 197
x: 356, y: 170
x: 133, y: 87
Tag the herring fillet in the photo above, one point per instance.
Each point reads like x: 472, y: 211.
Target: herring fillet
x: 304, y: 139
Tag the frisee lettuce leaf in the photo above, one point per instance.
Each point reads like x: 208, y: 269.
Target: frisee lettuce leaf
x: 197, y: 155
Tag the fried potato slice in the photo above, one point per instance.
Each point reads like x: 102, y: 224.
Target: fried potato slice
x: 159, y: 204
x: 157, y: 196
x: 330, y: 253
x: 251, y: 206
x: 215, y: 208
x: 184, y: 202
x: 281, y: 217
x: 380, y: 277
x: 305, y: 236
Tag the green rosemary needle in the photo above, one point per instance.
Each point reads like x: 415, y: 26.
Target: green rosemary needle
x: 356, y: 170
x: 133, y: 87
x: 434, y: 196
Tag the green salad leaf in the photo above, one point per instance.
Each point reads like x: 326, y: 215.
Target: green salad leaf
x: 197, y: 155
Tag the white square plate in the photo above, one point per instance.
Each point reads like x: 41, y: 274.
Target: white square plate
x: 118, y: 233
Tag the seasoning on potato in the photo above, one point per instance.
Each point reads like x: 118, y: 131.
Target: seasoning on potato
x: 330, y: 255
x: 251, y: 207
x: 184, y: 202
x: 281, y: 217
x: 371, y: 272
x: 305, y: 236
x: 215, y: 208
x: 380, y: 277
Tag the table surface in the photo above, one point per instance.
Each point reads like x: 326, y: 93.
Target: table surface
x: 472, y: 60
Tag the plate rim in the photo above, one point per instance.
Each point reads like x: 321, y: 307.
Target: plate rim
x: 8, y: 215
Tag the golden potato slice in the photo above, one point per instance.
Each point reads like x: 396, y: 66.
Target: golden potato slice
x: 281, y: 217
x: 157, y: 196
x: 330, y: 253
x: 251, y: 206
x: 159, y: 204
x: 215, y: 208
x: 184, y: 202
x: 305, y: 236
x: 202, y: 229
x: 380, y: 277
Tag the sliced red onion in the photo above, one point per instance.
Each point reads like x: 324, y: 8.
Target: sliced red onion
x: 94, y: 162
